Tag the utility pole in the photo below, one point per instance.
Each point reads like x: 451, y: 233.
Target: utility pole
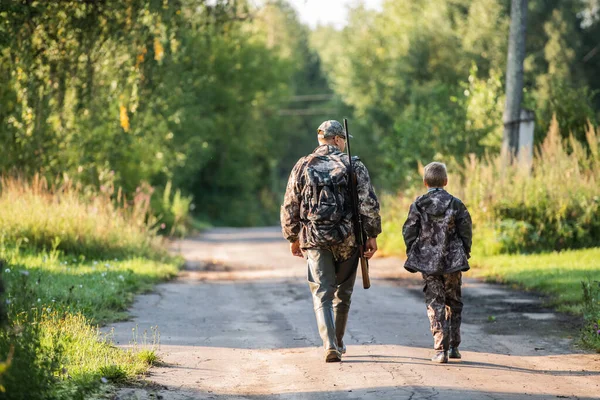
x: 514, y: 78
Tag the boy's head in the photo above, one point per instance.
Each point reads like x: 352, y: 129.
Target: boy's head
x: 435, y: 175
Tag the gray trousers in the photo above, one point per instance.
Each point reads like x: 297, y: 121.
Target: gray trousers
x: 331, y: 283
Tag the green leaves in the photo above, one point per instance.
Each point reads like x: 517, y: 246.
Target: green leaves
x: 151, y: 92
x: 427, y: 77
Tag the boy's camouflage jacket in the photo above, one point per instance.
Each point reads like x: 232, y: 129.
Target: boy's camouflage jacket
x: 294, y: 211
x: 438, y: 234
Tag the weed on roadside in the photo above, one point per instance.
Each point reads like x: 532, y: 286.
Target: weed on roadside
x: 33, y: 363
x: 591, y: 314
x: 149, y: 357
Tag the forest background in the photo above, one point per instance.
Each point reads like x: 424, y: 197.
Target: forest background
x: 125, y: 120
x: 219, y: 99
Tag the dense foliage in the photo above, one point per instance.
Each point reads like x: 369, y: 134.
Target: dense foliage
x: 427, y: 76
x: 591, y: 313
x: 123, y: 92
x: 553, y: 205
x: 201, y: 97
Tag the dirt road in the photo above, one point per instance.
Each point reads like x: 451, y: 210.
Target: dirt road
x: 238, y: 324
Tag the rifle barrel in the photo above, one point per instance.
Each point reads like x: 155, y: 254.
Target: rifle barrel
x: 358, y: 231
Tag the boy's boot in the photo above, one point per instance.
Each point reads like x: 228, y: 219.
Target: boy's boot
x: 440, y: 357
x: 326, y: 324
x: 454, y: 353
x: 455, y: 321
x: 341, y: 319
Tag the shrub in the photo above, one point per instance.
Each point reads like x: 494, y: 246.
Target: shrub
x: 172, y: 211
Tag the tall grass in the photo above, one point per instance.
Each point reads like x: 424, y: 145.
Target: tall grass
x: 394, y: 211
x: 64, y: 216
x: 72, y: 257
x: 172, y: 211
x: 552, y: 204
x: 591, y: 313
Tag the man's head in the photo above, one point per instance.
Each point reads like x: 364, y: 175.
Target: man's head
x: 332, y: 132
x: 435, y: 175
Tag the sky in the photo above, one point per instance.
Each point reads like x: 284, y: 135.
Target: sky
x: 313, y: 12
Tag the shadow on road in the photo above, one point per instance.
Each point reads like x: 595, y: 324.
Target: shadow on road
x: 385, y: 392
x: 402, y: 360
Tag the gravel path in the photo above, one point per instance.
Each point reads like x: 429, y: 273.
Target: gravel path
x: 238, y: 324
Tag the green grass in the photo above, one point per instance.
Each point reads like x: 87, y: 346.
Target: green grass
x: 71, y: 259
x: 88, y: 355
x: 570, y: 278
x: 148, y: 357
x: 66, y: 297
x: 558, y: 274
x: 100, y: 289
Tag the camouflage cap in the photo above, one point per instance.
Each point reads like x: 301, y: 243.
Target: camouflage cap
x: 330, y: 129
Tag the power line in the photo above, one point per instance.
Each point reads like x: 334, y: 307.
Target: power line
x: 306, y: 111
x: 312, y: 97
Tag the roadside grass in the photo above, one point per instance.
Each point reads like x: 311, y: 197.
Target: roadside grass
x: 571, y: 279
x: 88, y: 358
x: 72, y: 258
x: 100, y: 289
x: 558, y: 274
x: 66, y: 298
x: 76, y: 220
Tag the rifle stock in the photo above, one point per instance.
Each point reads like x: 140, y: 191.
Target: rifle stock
x: 358, y: 229
x: 364, y: 270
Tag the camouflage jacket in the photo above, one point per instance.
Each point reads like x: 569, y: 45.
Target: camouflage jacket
x: 438, y: 234
x: 295, y: 210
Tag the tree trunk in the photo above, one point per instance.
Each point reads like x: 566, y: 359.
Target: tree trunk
x: 514, y: 77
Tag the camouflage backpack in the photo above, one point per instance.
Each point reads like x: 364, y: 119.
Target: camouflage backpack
x: 326, y: 199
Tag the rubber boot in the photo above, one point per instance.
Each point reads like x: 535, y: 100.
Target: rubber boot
x: 454, y: 353
x: 341, y: 319
x: 326, y: 325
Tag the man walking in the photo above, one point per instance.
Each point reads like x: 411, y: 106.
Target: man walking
x: 316, y: 218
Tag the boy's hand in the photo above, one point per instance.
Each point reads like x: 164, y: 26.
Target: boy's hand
x: 370, y: 247
x: 295, y: 249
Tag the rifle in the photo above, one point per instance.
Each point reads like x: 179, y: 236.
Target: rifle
x: 358, y: 228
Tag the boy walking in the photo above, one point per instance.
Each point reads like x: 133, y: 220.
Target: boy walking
x: 438, y: 235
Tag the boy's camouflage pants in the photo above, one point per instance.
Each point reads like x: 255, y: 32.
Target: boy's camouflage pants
x: 444, y: 307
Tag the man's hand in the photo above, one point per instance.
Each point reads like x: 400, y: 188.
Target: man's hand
x: 370, y: 247
x: 295, y: 249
